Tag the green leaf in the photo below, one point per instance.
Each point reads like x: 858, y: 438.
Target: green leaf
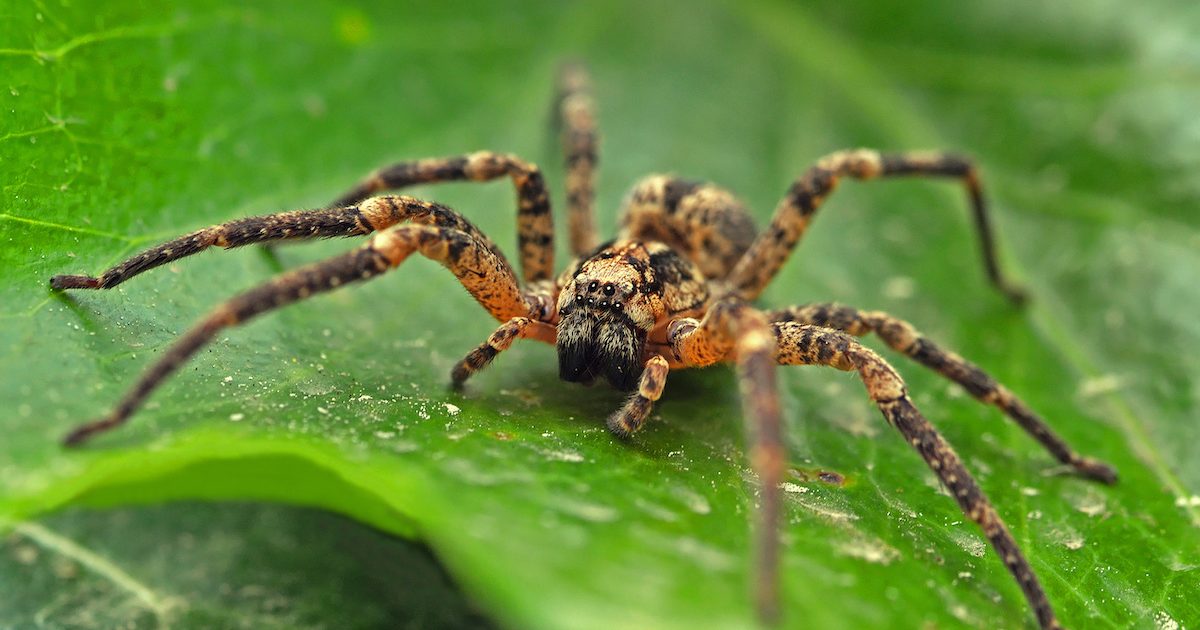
x: 124, y: 126
x: 220, y: 565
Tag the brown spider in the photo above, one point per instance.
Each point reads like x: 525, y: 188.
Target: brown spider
x: 672, y: 291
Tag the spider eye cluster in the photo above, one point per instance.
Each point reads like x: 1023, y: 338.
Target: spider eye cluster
x: 604, y: 296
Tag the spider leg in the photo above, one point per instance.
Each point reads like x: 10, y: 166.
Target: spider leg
x: 799, y: 344
x: 576, y: 119
x: 301, y: 224
x: 632, y: 415
x: 903, y: 337
x: 481, y: 356
x: 705, y: 223
x: 486, y: 276
x: 354, y: 220
x: 731, y: 329
x: 535, y: 225
x: 793, y: 214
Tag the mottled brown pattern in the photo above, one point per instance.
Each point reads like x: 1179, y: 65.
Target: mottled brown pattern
x: 669, y: 293
x: 355, y: 220
x: 301, y: 224
x: 794, y: 212
x: 487, y: 277
x: 535, y: 225
x: 481, y: 356
x: 904, y: 338
x: 576, y: 119
x: 632, y: 415
x: 701, y: 221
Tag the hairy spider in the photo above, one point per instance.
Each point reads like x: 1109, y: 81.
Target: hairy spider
x: 672, y: 291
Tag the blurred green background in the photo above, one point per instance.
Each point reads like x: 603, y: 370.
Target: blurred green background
x: 126, y: 123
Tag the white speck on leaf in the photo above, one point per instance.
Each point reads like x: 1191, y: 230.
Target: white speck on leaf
x: 1192, y: 501
x: 969, y: 543
x: 872, y: 550
x: 693, y: 500
x: 1092, y: 503
x: 564, y: 456
x: 1163, y: 621
x: 899, y: 287
x: 1104, y: 384
x: 26, y: 554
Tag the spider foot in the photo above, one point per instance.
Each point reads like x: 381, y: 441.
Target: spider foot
x: 633, y: 414
x: 767, y: 606
x: 629, y: 418
x: 74, y: 282
x: 1095, y: 470
x: 1016, y: 295
x: 459, y: 375
x: 84, y: 432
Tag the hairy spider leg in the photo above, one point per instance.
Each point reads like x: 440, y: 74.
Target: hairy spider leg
x: 535, y: 224
x: 705, y: 223
x: 487, y: 276
x: 632, y: 415
x: 481, y: 356
x: 903, y: 337
x: 794, y: 212
x: 799, y: 344
x: 354, y: 220
x: 575, y: 117
x: 731, y: 330
x: 299, y: 224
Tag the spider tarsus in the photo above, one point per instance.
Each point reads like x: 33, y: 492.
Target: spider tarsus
x: 768, y: 613
x: 84, y: 432
x: 61, y: 282
x: 619, y: 426
x: 631, y: 417
x: 1096, y: 470
x: 459, y: 375
x: 1017, y: 296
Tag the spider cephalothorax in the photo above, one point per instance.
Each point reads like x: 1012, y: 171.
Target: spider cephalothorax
x: 672, y: 292
x: 612, y: 301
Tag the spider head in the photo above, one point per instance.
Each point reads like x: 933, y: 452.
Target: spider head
x: 605, y: 312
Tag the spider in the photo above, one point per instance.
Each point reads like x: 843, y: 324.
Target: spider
x: 672, y: 291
